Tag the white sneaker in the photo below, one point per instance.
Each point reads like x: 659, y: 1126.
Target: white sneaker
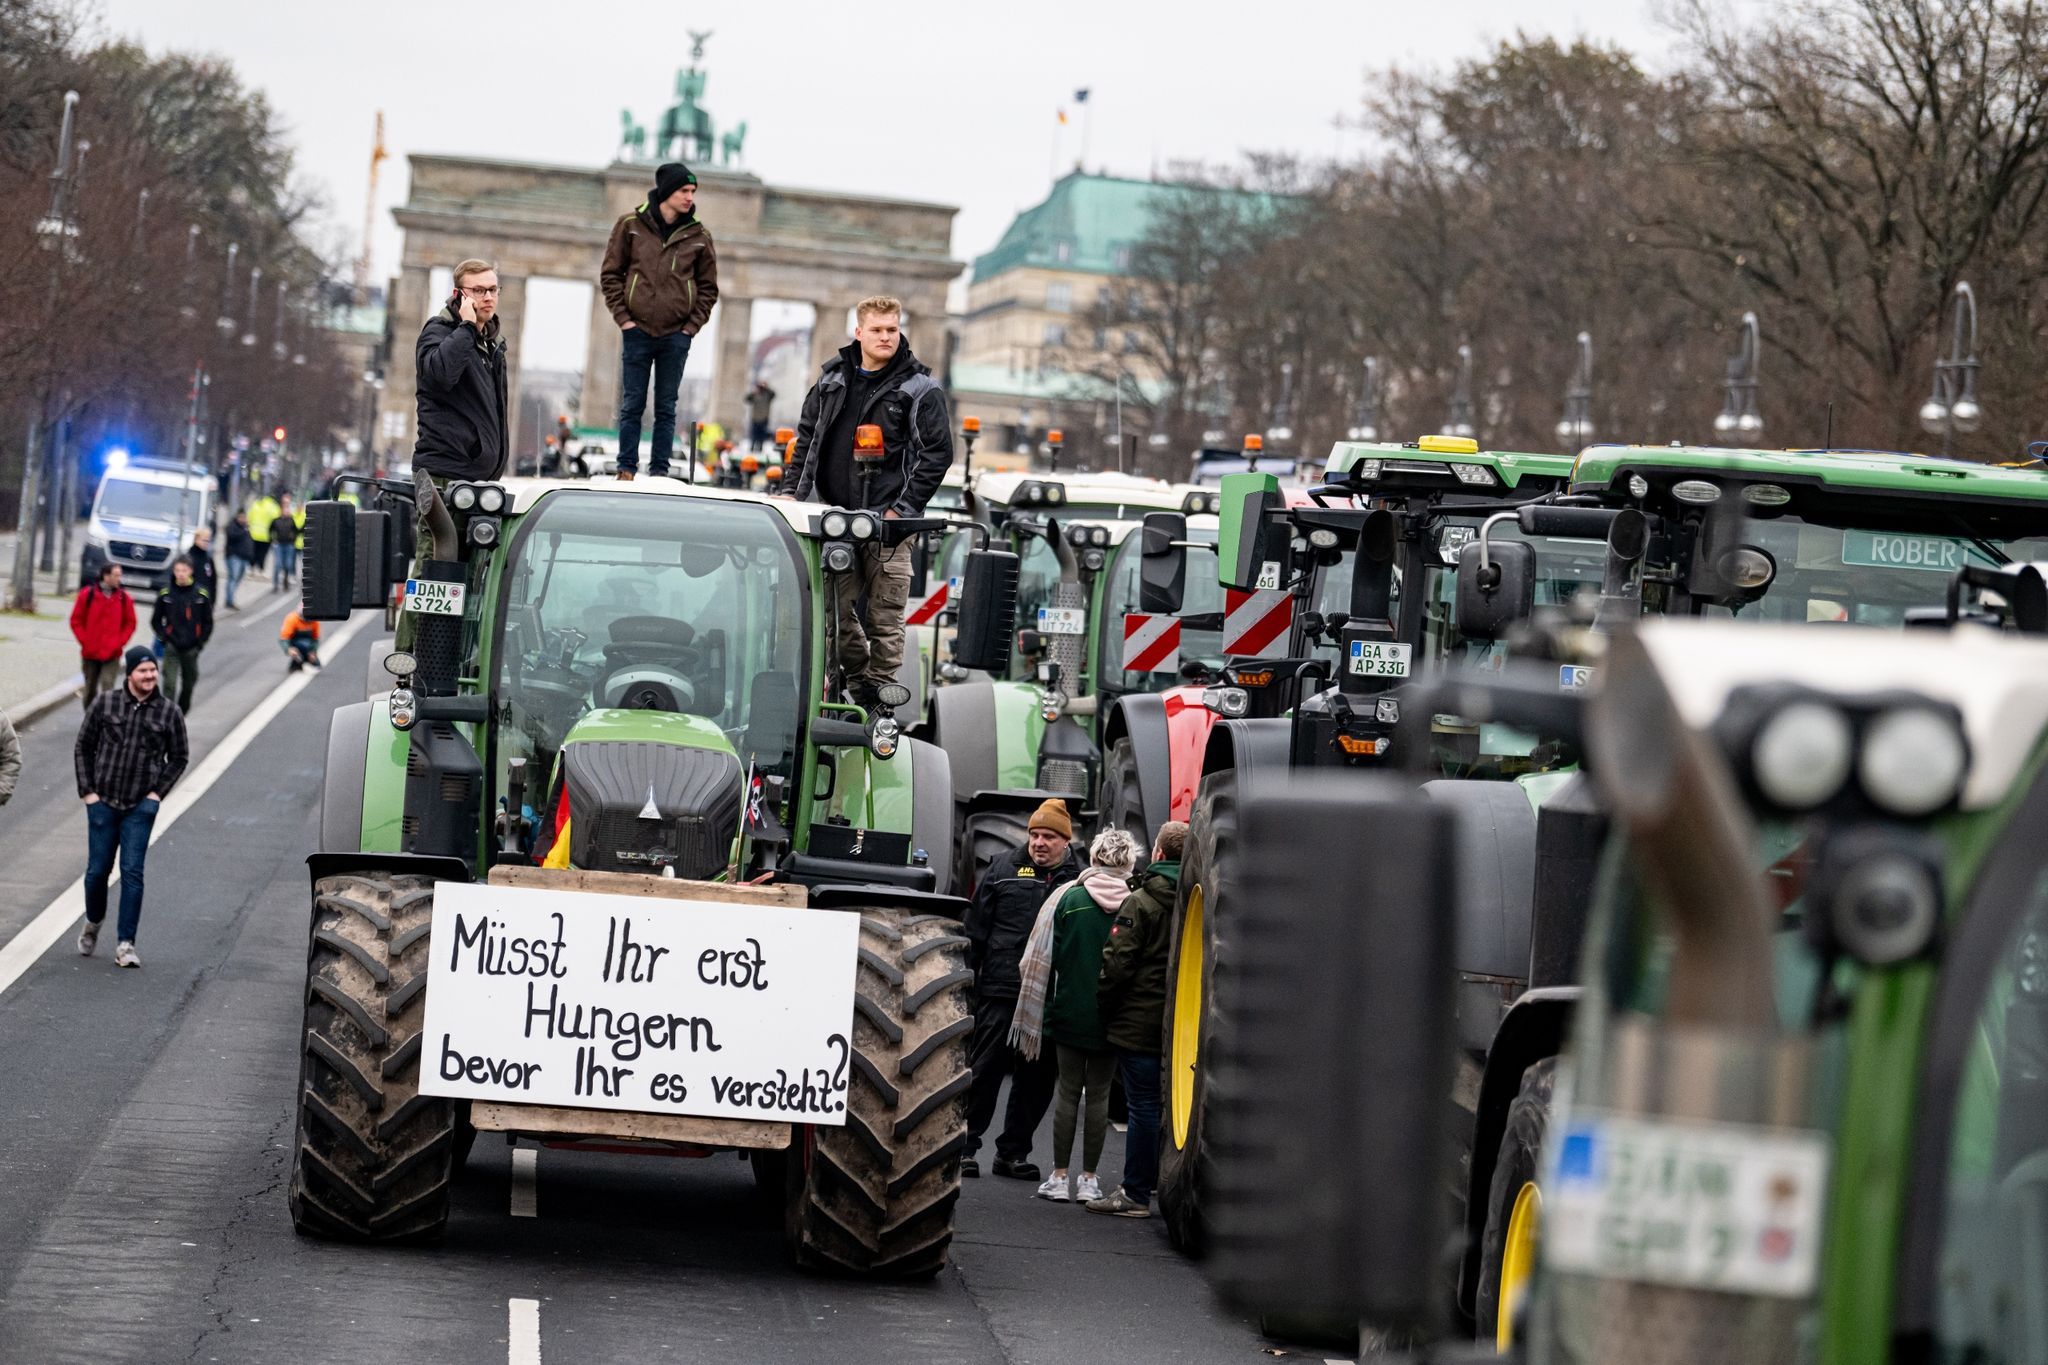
x: 125, y: 955
x: 1054, y: 1187
x: 88, y: 938
x: 1091, y: 1188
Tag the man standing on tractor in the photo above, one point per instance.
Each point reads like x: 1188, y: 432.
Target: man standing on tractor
x: 1132, y: 998
x: 1012, y: 890
x: 461, y: 373
x: 659, y: 278
x: 874, y: 436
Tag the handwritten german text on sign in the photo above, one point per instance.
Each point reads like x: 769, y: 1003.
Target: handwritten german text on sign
x: 577, y: 998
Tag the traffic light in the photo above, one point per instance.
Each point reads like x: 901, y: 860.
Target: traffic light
x: 277, y: 435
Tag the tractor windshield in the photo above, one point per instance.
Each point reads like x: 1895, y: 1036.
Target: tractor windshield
x: 689, y: 606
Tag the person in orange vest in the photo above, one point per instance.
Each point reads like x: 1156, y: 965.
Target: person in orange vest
x: 300, y: 641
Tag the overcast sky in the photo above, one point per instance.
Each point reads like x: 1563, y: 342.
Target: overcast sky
x: 946, y: 101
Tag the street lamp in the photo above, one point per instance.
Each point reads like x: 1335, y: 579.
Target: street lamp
x: 1739, y: 417
x: 1459, y: 421
x: 1576, y: 427
x: 1365, y: 419
x: 226, y: 321
x: 185, y: 309
x: 255, y: 283
x: 1952, y: 406
x: 1282, y: 430
x: 277, y: 346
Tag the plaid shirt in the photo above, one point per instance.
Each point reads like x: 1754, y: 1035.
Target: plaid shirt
x: 127, y: 748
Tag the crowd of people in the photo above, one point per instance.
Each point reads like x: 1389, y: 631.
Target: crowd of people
x: 1069, y: 988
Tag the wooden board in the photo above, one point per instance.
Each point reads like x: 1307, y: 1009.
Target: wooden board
x: 490, y: 1116
x: 641, y: 884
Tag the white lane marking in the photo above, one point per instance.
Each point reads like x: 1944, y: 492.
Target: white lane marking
x: 56, y: 919
x: 522, y: 1336
x: 525, y: 1174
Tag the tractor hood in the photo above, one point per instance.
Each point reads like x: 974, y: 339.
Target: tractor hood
x: 651, y: 790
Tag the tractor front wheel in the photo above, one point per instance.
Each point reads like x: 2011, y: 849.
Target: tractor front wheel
x: 373, y: 1158
x: 876, y: 1197
x: 1514, y: 1207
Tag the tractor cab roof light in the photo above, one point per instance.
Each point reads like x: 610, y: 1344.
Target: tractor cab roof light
x: 1448, y: 445
x: 1477, y: 475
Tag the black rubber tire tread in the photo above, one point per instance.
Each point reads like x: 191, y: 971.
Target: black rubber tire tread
x: 1120, y: 804
x: 1208, y: 863
x: 372, y: 1157
x: 876, y: 1198
x: 1521, y: 1148
x: 982, y: 836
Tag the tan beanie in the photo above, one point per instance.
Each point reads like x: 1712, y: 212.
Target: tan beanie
x: 1052, y: 814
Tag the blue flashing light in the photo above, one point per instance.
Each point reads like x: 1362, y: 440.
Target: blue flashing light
x: 116, y: 456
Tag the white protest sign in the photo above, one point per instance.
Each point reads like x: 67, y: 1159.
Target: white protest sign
x: 651, y: 1005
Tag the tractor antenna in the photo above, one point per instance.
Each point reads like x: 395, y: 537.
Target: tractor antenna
x: 1831, y: 426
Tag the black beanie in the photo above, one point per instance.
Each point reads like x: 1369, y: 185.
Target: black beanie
x: 670, y: 177
x: 137, y: 656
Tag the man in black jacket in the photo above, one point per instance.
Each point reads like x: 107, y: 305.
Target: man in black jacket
x: 183, y: 620
x: 875, y: 381
x: 1007, y: 900
x: 460, y: 365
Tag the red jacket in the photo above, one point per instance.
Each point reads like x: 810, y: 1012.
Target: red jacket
x: 104, y: 622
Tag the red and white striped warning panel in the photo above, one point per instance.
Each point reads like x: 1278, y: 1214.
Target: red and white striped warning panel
x: 1151, y: 643
x: 925, y: 610
x: 1255, y: 623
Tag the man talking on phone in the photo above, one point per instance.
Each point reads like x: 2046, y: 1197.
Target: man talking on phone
x: 460, y: 362
x: 659, y: 278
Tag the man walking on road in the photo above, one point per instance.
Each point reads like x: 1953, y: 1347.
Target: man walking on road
x: 874, y: 381
x: 262, y: 513
x: 102, y: 621
x: 241, y: 554
x: 659, y: 278
x: 284, y: 543
x: 183, y: 621
x: 129, y: 753
x: 1012, y: 889
x: 204, y: 576
x: 1132, y: 997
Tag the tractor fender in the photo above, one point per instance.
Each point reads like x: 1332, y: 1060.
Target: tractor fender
x: 1253, y: 747
x: 964, y: 725
x: 1140, y: 717
x: 932, y: 810
x: 341, y: 792
x: 1497, y: 867
x: 1534, y: 1028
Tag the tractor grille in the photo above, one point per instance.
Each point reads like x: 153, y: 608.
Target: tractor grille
x: 138, y: 553
x: 695, y: 798
x: 1068, y: 777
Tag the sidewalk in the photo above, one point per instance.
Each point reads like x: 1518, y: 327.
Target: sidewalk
x: 38, y: 657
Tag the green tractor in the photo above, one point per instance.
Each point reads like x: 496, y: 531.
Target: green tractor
x: 1804, y: 1111
x: 617, y: 697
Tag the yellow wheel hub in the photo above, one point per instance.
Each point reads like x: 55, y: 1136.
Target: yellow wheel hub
x: 1186, y: 1042
x: 1518, y: 1260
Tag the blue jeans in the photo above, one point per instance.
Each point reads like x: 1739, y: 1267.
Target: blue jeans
x: 107, y: 832
x: 664, y: 356
x: 1141, y: 1138
x: 287, y: 564
x: 236, y: 568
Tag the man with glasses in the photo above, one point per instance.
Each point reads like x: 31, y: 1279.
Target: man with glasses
x: 461, y: 364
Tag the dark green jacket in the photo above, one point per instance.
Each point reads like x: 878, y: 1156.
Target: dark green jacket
x: 1080, y: 928
x: 1132, y: 989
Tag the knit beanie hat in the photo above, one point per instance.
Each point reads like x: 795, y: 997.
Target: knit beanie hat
x: 137, y: 656
x: 1052, y: 814
x: 670, y: 177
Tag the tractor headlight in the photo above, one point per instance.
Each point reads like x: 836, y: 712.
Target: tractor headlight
x: 1913, y: 761
x: 1477, y: 475
x: 1366, y: 471
x: 883, y: 737
x: 1697, y: 492
x: 1886, y: 907
x: 1766, y: 495
x: 833, y: 524
x: 1098, y: 536
x: 838, y: 557
x: 1049, y: 706
x: 1055, y: 493
x: 1230, y: 702
x: 462, y: 497
x: 1802, y: 754
x: 1638, y: 486
x: 1323, y: 538
x: 861, y: 526
x: 404, y: 708
x: 1077, y: 536
x: 483, y: 532
x: 490, y: 499
x: 1093, y: 560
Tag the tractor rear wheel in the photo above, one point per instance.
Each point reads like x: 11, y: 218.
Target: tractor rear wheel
x: 372, y: 1158
x: 1207, y: 869
x: 876, y: 1197
x: 1514, y: 1208
x: 1122, y: 807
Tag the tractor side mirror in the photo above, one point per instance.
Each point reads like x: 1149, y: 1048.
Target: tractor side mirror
x: 988, y: 611
x: 1355, y: 952
x: 1162, y: 563
x: 328, y: 577
x: 373, y: 555
x: 1496, y: 588
x: 1251, y: 551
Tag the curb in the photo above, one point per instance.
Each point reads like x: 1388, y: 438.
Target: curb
x: 44, y: 702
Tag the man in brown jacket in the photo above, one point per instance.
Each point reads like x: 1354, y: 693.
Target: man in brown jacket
x: 660, y: 278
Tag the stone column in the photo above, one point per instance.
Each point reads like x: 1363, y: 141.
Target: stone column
x: 599, y: 406
x: 512, y: 312
x: 729, y: 386
x: 401, y: 385
x: 828, y: 334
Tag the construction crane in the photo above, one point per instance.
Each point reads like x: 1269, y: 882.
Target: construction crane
x: 377, y: 158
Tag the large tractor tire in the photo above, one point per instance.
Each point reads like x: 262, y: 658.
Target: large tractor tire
x: 1514, y: 1208
x: 876, y: 1197
x: 984, y: 835
x: 373, y: 1158
x: 1193, y: 1023
x: 1121, y: 806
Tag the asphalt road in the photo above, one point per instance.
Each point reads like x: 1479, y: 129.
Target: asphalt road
x: 147, y: 1116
